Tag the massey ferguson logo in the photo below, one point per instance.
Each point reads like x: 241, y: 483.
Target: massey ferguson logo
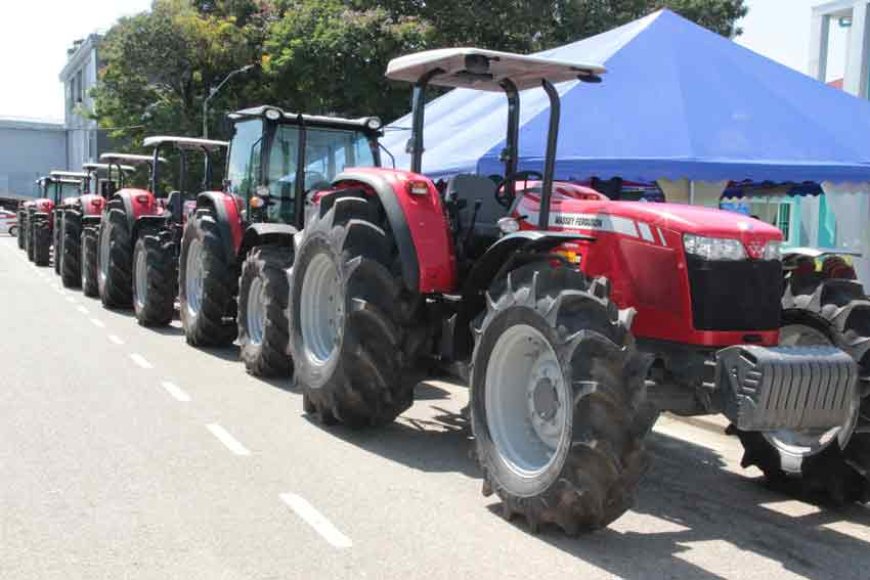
x: 755, y: 248
x: 577, y: 221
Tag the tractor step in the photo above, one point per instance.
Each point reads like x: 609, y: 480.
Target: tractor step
x: 806, y: 387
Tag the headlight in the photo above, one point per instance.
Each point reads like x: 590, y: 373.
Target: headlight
x: 374, y: 123
x: 272, y: 114
x: 714, y: 248
x: 772, y: 250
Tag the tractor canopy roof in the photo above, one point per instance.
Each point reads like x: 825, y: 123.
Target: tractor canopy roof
x: 368, y: 124
x: 105, y: 166
x: 187, y: 143
x: 73, y: 175
x: 130, y: 158
x: 486, y: 70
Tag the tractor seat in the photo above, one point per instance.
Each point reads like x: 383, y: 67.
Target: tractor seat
x: 173, y: 203
x: 471, y: 189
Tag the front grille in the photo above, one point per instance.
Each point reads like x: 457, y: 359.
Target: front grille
x: 735, y: 295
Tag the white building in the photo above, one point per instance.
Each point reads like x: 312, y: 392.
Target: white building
x: 79, y: 76
x: 31, y: 148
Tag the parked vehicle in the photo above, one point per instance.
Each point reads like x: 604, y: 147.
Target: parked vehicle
x: 57, y: 214
x: 157, y: 237
x: 40, y: 214
x: 240, y: 241
x: 576, y: 318
x: 113, y: 241
x: 9, y: 222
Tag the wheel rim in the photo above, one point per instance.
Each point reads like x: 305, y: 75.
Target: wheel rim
x: 141, y: 282
x: 193, y: 279
x: 321, y: 310
x: 105, y: 246
x: 794, y: 445
x: 527, y: 402
x: 256, y: 311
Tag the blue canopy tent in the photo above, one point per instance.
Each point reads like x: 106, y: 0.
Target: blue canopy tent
x: 678, y: 102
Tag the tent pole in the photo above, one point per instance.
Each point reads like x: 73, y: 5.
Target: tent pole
x: 550, y: 158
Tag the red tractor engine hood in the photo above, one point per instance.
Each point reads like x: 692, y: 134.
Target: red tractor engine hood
x: 43, y: 205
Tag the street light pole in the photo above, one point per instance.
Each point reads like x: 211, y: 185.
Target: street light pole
x: 213, y: 91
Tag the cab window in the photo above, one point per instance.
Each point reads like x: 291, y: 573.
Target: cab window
x: 244, y: 158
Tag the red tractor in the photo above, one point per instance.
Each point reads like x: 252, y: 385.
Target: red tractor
x: 113, y: 238
x: 41, y: 214
x: 240, y: 241
x: 157, y: 237
x: 577, y: 319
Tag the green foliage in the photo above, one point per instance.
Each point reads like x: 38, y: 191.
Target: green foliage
x: 323, y: 56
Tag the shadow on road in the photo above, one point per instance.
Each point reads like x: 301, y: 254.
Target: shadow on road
x: 688, y: 497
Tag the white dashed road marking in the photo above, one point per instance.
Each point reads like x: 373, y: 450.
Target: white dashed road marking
x: 98, y: 323
x: 117, y: 340
x: 141, y: 361
x: 175, y: 391
x: 224, y: 437
x: 316, y: 520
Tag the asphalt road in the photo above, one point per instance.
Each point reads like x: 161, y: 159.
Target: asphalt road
x: 124, y: 453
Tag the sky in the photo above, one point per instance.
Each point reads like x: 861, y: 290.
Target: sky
x: 35, y: 34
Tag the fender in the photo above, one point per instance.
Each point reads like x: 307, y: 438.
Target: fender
x: 137, y: 202
x: 259, y: 234
x: 228, y: 217
x: 527, y: 242
x: 148, y: 222
x: 418, y: 223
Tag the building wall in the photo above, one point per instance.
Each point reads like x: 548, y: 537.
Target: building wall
x: 30, y: 150
x: 79, y: 76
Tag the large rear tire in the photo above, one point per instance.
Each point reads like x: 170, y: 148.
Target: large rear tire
x: 833, y: 465
x: 558, y: 400
x: 57, y: 241
x: 115, y: 258
x: 356, y: 330
x: 207, y: 284
x: 21, y: 229
x: 71, y: 250
x: 90, y: 242
x: 263, y: 325
x: 28, y: 242
x: 154, y: 279
x: 41, y: 242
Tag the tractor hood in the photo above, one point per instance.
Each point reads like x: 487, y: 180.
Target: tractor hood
x: 575, y: 207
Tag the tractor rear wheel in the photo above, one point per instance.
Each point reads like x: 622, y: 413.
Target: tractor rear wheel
x: 115, y: 258
x: 71, y: 250
x: 154, y: 279
x: 21, y: 229
x: 41, y: 242
x: 356, y: 330
x: 57, y: 242
x: 558, y: 400
x: 28, y: 240
x: 207, y: 284
x: 830, y: 465
x: 263, y: 325
x: 90, y: 242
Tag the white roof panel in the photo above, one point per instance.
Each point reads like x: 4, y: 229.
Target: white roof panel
x: 483, y: 70
x: 190, y: 143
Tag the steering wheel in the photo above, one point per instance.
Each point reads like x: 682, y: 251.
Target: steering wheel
x: 501, y: 194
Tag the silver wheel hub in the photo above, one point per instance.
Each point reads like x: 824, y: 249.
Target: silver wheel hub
x: 795, y: 446
x: 256, y: 311
x: 527, y: 401
x: 193, y: 277
x: 321, y: 310
x: 141, y: 280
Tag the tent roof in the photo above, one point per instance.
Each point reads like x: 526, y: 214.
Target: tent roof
x: 678, y: 102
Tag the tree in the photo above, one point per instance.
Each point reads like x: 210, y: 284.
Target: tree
x: 323, y: 56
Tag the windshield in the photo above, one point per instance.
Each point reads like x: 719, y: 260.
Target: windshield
x: 68, y: 190
x: 244, y: 157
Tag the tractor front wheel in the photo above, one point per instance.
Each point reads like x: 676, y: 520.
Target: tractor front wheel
x: 90, y: 242
x: 154, y: 279
x: 263, y: 326
x: 357, y: 331
x: 22, y: 221
x: 71, y: 250
x: 57, y: 242
x: 115, y: 258
x: 831, y: 465
x: 207, y: 284
x: 558, y: 400
x: 41, y: 242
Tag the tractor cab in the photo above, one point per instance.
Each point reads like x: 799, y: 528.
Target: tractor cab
x: 67, y: 185
x: 277, y: 158
x: 118, y: 175
x: 477, y: 204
